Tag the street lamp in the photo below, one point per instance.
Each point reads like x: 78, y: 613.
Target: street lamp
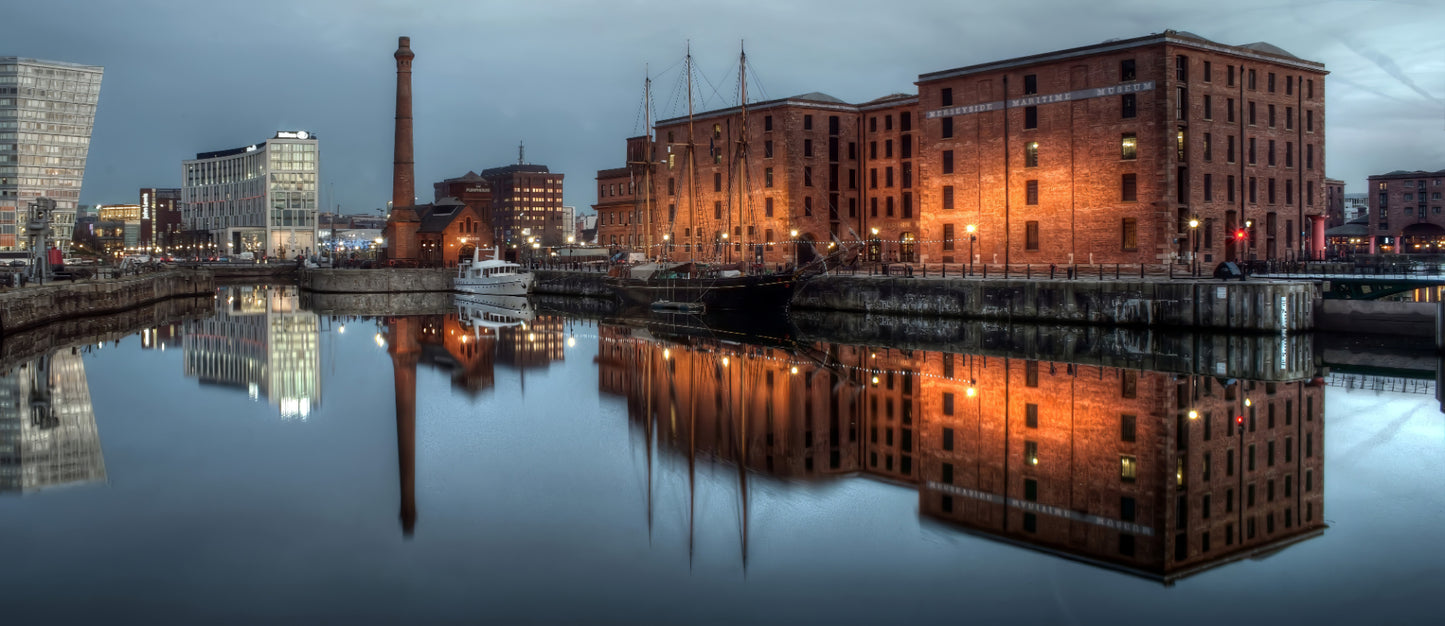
x: 970, y: 229
x: 794, y: 234
x: 1194, y: 244
x: 666, y: 237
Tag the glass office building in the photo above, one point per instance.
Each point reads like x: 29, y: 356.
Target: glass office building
x: 260, y: 198
x: 47, y: 111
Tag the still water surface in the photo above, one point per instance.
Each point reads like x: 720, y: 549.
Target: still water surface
x: 267, y: 463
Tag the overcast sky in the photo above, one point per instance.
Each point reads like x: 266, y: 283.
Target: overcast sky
x: 565, y: 76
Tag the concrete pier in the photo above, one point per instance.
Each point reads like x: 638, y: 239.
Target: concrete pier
x: 37, y: 305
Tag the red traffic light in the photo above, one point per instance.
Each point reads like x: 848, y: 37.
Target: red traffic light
x: 1241, y: 234
x: 1239, y: 419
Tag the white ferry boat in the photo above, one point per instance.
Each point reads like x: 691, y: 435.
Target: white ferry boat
x: 493, y: 276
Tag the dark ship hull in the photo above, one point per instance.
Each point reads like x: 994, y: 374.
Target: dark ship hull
x: 764, y: 292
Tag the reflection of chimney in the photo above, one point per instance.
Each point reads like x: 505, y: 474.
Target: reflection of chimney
x: 403, y: 187
x: 405, y: 351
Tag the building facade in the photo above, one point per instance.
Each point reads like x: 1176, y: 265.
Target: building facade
x: 47, y: 112
x: 260, y: 198
x: 472, y: 190
x: 1107, y: 153
x: 1100, y: 154
x: 1405, y: 212
x: 526, y: 205
x: 119, y: 229
x: 161, y: 218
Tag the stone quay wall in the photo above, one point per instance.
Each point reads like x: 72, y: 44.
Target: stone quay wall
x: 389, y: 280
x: 37, y: 305
x: 1253, y: 306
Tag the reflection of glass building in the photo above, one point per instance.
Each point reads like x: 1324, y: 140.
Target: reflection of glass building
x: 1156, y: 474
x: 48, y: 436
x: 261, y: 342
x: 47, y: 111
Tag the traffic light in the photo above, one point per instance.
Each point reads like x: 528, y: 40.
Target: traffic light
x: 1241, y: 234
x: 1239, y: 424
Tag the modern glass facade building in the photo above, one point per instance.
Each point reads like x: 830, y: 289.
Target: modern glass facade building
x: 47, y: 110
x: 260, y: 198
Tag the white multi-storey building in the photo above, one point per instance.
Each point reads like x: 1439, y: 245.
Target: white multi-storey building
x: 47, y: 110
x: 260, y: 198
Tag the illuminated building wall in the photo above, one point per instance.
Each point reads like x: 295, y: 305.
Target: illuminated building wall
x: 801, y: 174
x: 48, y: 436
x: 122, y: 225
x: 260, y: 198
x: 1102, y: 153
x: 47, y: 112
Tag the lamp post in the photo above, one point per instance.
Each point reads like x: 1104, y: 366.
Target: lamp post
x: 1249, y: 239
x: 666, y: 237
x: 1194, y: 245
x: 970, y: 228
x: 794, y: 234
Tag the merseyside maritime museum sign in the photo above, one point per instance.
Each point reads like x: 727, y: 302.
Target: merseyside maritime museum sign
x: 1028, y: 101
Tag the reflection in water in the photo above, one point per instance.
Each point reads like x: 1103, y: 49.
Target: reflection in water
x: 261, y: 342
x: 1156, y: 474
x: 468, y: 343
x: 48, y: 436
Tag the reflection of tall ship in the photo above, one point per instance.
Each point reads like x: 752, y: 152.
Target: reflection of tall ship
x: 48, y: 436
x: 493, y: 276
x: 1155, y: 474
x: 482, y: 311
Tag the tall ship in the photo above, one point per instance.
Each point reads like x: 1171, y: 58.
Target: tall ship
x: 723, y: 278
x: 493, y: 276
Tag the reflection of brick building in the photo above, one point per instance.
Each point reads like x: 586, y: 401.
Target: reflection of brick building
x: 1096, y: 463
x: 532, y: 345
x: 1106, y: 464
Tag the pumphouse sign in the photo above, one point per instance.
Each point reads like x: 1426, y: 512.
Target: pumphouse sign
x: 1028, y: 101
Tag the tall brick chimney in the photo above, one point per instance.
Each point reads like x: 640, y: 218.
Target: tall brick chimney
x: 403, y: 185
x: 402, y: 223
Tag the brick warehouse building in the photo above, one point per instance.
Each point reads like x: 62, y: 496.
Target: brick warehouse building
x: 1405, y: 212
x: 1112, y: 150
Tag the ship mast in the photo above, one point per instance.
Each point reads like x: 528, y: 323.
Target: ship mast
x: 740, y: 159
x: 642, y: 217
x: 691, y: 166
